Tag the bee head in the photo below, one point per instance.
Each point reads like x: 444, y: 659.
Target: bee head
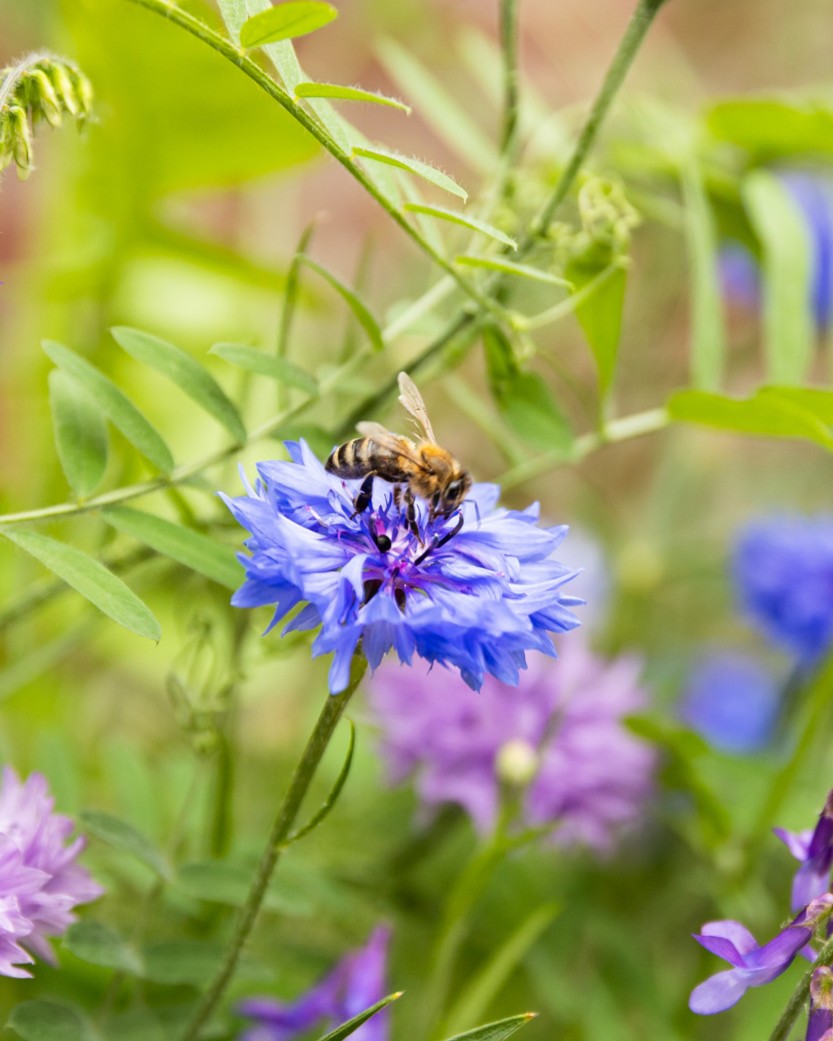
x: 453, y: 494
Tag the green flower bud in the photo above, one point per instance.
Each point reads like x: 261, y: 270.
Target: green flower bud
x: 43, y: 97
x: 65, y: 88
x: 21, y: 140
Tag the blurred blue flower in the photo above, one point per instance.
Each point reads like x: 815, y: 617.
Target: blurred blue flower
x: 560, y: 736
x: 814, y: 848
x: 356, y: 983
x: 40, y: 881
x: 813, y: 194
x: 783, y: 572
x: 732, y: 702
x: 753, y: 965
x: 474, y: 590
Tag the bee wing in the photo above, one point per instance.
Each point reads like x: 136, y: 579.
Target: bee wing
x: 393, y: 443
x: 412, y: 402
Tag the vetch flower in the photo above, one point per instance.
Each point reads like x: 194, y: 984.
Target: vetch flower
x: 753, y: 965
x: 356, y: 983
x: 814, y: 848
x: 474, y: 590
x: 820, y: 1023
x: 783, y: 573
x: 732, y: 701
x: 40, y: 881
x: 560, y: 733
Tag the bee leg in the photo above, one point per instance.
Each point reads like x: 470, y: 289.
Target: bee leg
x: 411, y: 513
x: 362, y: 500
x: 450, y: 534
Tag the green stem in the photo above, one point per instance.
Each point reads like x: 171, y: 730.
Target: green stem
x: 798, y: 1002
x: 316, y: 745
x: 629, y: 45
x: 511, y: 99
x: 14, y: 74
x: 286, y: 101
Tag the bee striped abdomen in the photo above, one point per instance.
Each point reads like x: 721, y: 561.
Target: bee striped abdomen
x: 352, y: 459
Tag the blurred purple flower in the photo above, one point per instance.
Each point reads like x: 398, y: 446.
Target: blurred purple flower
x: 813, y: 194
x: 753, y: 965
x: 474, y: 591
x: 814, y: 848
x: 40, y: 883
x: 589, y: 774
x: 356, y: 983
x: 820, y: 1023
x: 783, y: 574
x: 732, y: 701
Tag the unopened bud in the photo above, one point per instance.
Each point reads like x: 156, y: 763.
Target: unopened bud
x: 821, y: 987
x: 65, y: 88
x: 21, y: 140
x: 516, y: 763
x: 44, y: 97
x: 83, y: 90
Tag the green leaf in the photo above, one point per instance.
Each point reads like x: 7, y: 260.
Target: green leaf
x: 89, y: 578
x: 188, y: 547
x: 438, y: 106
x: 787, y: 317
x: 708, y: 338
x: 498, y: 1030
x: 124, y: 837
x: 600, y: 313
x: 175, y: 962
x: 80, y: 433
x: 121, y: 412
x: 253, y: 360
x: 523, y: 398
x: 221, y: 882
x: 181, y: 369
x: 815, y: 400
x: 98, y: 944
x: 765, y: 415
x: 234, y: 15
x: 50, y: 1021
x: 335, y: 90
x: 346, y: 1029
x: 770, y: 128
x: 472, y: 223
x: 414, y: 166
x: 286, y: 21
x: 482, y: 988
x: 507, y: 267
x: 363, y: 316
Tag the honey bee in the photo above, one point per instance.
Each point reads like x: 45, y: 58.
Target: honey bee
x: 422, y: 467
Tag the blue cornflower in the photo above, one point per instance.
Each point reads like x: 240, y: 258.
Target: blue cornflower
x: 732, y: 701
x: 473, y: 590
x: 783, y: 572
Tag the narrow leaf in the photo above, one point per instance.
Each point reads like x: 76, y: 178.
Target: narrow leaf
x: 191, y: 548
x: 124, y: 837
x: 498, y: 1030
x: 263, y: 364
x: 335, y: 90
x: 438, y: 106
x: 181, y: 369
x: 89, y: 578
x: 346, y: 1029
x: 772, y: 128
x: 814, y: 400
x: 708, y: 337
x: 787, y: 317
x: 221, y: 882
x: 509, y: 268
x: 175, y: 962
x: 80, y: 433
x: 414, y: 166
x: 98, y: 944
x: 363, y: 316
x: 49, y: 1021
x: 121, y: 412
x: 764, y: 415
x: 286, y: 21
x: 600, y: 314
x: 472, y: 223
x: 234, y: 15
x: 332, y: 798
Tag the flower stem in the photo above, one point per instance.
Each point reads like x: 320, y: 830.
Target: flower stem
x: 798, y: 1001
x: 511, y: 99
x: 319, y: 739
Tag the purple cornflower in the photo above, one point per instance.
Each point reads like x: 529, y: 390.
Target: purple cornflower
x: 813, y: 195
x: 40, y: 883
x: 753, y: 965
x: 814, y: 848
x: 356, y: 983
x: 820, y: 1023
x: 783, y: 573
x: 560, y: 734
x: 731, y: 701
x: 474, y: 590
